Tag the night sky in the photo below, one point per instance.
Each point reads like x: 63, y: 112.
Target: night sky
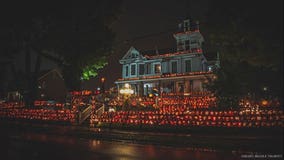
x: 141, y: 22
x: 136, y: 19
x: 150, y: 24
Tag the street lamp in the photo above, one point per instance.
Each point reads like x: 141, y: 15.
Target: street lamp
x: 103, y: 84
x: 103, y: 79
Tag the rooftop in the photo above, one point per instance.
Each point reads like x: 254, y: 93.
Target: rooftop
x: 168, y: 52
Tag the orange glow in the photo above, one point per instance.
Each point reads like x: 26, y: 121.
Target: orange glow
x: 264, y: 102
x: 231, y: 118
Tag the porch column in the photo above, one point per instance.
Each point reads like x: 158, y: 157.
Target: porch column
x: 141, y: 89
x: 159, y: 86
x: 117, y: 89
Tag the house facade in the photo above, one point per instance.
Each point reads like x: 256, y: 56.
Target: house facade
x: 51, y: 86
x: 184, y: 70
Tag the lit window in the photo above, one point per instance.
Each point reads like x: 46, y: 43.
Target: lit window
x: 157, y: 68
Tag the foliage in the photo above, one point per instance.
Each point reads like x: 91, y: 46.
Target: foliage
x: 235, y: 80
x: 247, y: 35
x: 242, y: 31
x: 76, y: 35
x: 93, y: 69
x: 84, y: 40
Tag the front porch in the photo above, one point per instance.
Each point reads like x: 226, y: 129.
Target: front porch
x: 165, y: 84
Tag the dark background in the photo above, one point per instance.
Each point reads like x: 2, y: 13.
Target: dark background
x: 148, y: 25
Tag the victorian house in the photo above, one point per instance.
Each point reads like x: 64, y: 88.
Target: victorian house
x: 183, y: 70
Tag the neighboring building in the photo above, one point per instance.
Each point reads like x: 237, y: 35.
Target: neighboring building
x: 182, y: 71
x: 51, y: 86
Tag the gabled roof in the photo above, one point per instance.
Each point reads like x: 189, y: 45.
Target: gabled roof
x: 131, y: 54
x: 45, y: 73
x: 158, y: 52
x: 162, y: 53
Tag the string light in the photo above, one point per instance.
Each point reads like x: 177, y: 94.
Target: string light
x: 177, y: 111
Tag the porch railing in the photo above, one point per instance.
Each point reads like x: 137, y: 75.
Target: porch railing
x: 85, y: 114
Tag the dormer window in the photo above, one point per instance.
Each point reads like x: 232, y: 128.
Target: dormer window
x: 134, y: 55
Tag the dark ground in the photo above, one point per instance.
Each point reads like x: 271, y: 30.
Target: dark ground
x: 21, y: 140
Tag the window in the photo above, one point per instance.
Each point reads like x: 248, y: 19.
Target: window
x: 194, y: 45
x: 126, y: 71
x: 194, y: 49
x: 141, y: 69
x: 193, y: 41
x: 134, y: 55
x: 187, y: 45
x: 179, y: 45
x: 157, y: 68
x: 186, y: 25
x: 180, y: 87
x: 148, y: 68
x: 191, y: 85
x: 187, y: 65
x: 133, y: 69
x: 174, y: 67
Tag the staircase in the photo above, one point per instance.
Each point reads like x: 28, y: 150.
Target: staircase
x: 100, y: 111
x: 84, y: 114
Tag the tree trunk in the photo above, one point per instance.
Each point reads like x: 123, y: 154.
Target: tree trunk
x: 27, y: 94
x: 34, y: 80
x: 31, y: 79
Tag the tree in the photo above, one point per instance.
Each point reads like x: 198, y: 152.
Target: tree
x: 247, y: 34
x: 246, y: 31
x: 74, y: 34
